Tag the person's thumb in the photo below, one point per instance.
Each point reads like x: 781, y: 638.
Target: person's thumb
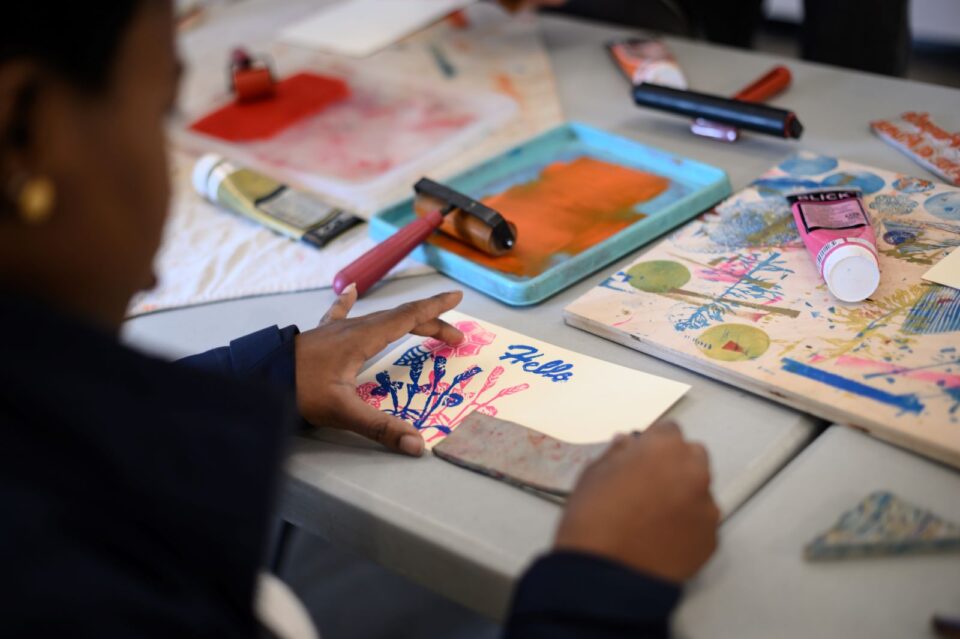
x: 392, y: 432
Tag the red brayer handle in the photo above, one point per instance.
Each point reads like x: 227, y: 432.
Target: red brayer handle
x: 369, y: 268
x: 770, y: 84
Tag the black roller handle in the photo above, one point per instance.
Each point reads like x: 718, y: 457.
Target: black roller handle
x: 745, y: 115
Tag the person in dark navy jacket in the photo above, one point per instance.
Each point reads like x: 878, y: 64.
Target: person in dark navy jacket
x: 136, y: 493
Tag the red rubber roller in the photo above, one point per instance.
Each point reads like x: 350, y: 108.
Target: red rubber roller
x: 438, y: 207
x: 250, y: 78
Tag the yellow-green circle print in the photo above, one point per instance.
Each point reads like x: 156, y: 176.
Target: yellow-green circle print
x: 658, y: 276
x: 733, y: 342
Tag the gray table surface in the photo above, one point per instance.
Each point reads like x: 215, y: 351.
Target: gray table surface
x: 758, y: 585
x: 469, y: 537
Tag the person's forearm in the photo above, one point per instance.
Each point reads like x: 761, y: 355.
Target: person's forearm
x: 266, y: 355
x: 569, y: 594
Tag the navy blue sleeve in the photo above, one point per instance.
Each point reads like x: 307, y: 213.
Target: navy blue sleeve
x: 568, y: 594
x: 267, y: 355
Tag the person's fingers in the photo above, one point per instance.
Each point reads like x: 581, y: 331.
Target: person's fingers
x: 386, y: 326
x: 699, y: 454
x: 666, y: 427
x: 341, y: 306
x: 441, y: 330
x: 697, y: 467
x: 713, y: 513
x: 394, y: 433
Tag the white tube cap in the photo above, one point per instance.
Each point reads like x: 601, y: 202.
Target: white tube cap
x: 201, y: 174
x: 665, y: 73
x: 851, y: 272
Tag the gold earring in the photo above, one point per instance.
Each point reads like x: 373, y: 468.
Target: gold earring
x: 35, y: 199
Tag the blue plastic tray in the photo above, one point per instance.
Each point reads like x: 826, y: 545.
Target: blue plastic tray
x: 694, y: 188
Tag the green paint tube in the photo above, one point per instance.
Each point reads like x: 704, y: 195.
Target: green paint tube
x: 292, y: 213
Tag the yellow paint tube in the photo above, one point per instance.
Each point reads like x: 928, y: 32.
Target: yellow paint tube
x: 289, y: 212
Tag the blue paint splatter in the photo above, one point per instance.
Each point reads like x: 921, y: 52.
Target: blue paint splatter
x: 893, y: 204
x: 749, y: 286
x: 867, y: 182
x: 954, y: 394
x: 898, y: 237
x: 776, y: 187
x: 907, y: 403
x: 912, y: 185
x: 760, y: 223
x: 937, y: 311
x: 618, y: 278
x: 808, y: 164
x: 946, y: 206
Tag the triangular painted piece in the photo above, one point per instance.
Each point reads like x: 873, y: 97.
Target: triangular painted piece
x: 884, y: 524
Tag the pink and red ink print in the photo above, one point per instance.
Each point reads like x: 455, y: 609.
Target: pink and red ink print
x: 438, y: 402
x: 504, y: 374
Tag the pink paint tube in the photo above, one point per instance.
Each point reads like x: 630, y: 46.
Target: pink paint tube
x: 647, y: 60
x: 836, y: 231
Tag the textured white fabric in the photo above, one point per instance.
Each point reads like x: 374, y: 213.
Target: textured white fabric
x: 210, y: 254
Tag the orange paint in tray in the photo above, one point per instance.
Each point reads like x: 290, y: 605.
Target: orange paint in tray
x: 572, y: 206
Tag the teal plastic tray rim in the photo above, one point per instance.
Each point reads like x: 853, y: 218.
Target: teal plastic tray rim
x: 712, y: 182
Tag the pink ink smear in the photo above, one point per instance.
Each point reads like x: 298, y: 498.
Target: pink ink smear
x: 947, y: 379
x: 626, y: 321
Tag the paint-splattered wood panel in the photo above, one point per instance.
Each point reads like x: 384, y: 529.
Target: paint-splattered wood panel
x: 735, y: 296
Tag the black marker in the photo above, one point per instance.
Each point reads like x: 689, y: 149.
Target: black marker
x: 745, y: 115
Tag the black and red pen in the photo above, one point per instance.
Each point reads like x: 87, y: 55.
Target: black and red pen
x: 771, y: 83
x: 734, y: 112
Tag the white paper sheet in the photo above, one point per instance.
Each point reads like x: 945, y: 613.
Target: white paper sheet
x: 573, y: 397
x: 946, y: 271
x: 361, y: 27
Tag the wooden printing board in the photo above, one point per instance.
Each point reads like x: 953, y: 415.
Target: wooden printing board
x: 735, y: 296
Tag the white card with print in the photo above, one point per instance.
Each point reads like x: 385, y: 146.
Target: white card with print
x: 573, y: 397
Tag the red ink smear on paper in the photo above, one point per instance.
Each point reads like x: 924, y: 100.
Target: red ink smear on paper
x: 367, y: 135
x: 296, y: 98
x: 570, y: 207
x: 505, y: 85
x: 733, y: 346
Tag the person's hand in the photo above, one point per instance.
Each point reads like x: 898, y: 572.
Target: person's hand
x: 513, y: 6
x: 645, y: 503
x: 329, y: 357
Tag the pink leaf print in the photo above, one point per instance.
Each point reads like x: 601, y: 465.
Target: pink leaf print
x: 487, y: 410
x: 491, y: 379
x: 475, y: 337
x: 363, y: 391
x: 438, y: 419
x: 513, y: 389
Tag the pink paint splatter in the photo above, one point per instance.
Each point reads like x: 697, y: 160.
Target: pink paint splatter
x: 936, y: 377
x: 475, y: 337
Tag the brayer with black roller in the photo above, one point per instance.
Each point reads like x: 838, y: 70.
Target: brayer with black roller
x: 438, y: 207
x: 745, y: 115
